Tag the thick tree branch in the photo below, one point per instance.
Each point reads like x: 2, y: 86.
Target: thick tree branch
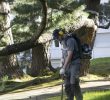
x: 3, y: 14
x: 15, y: 48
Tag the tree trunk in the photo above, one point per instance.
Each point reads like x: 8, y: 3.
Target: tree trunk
x: 93, y: 5
x: 89, y: 38
x: 39, y: 61
x: 8, y: 64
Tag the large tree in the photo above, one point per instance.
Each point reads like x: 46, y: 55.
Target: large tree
x: 30, y: 43
x: 25, y: 45
x: 8, y: 64
x: 28, y: 17
x: 64, y: 8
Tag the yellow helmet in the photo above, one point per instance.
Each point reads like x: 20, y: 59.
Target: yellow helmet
x: 57, y: 33
x: 61, y: 32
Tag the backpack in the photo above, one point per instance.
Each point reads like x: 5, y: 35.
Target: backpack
x: 84, y: 50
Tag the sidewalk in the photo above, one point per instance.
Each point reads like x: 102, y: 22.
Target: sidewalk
x: 40, y: 94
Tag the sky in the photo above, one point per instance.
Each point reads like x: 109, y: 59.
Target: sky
x: 104, y: 1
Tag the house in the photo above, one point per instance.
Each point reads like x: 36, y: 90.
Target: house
x: 102, y: 44
x: 101, y: 48
x: 55, y: 54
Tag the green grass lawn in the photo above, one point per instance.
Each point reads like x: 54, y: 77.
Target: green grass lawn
x: 101, y: 95
x: 104, y: 95
x: 100, y: 66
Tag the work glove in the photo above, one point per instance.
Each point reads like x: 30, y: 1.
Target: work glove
x: 62, y: 71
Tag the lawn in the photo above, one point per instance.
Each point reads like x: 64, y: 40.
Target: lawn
x: 100, y: 95
x: 100, y: 66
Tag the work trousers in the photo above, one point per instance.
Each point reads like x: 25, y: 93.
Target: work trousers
x: 72, y: 90
x: 72, y: 87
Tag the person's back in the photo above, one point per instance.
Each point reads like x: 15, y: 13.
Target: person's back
x: 71, y: 44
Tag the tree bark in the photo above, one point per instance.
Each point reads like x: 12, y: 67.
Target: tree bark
x: 8, y: 64
x: 93, y: 5
x: 89, y: 38
x: 85, y: 31
x: 39, y: 61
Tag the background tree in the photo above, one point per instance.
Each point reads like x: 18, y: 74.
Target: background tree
x: 30, y: 43
x: 28, y: 17
x: 104, y: 15
x: 8, y: 64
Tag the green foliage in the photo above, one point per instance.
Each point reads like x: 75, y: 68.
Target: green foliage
x: 54, y: 3
x: 27, y: 12
x: 56, y: 75
x: 3, y: 83
x: 73, y: 18
x: 25, y: 24
x: 45, y: 72
x: 5, y: 40
x: 57, y: 4
x: 105, y: 8
x: 24, y: 9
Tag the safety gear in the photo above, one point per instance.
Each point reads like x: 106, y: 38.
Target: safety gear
x: 57, y: 33
x: 61, y: 33
x: 62, y: 71
x: 84, y: 50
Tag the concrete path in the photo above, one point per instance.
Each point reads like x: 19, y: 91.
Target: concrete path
x: 41, y: 94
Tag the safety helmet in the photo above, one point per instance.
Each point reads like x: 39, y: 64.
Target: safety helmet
x: 57, y: 33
